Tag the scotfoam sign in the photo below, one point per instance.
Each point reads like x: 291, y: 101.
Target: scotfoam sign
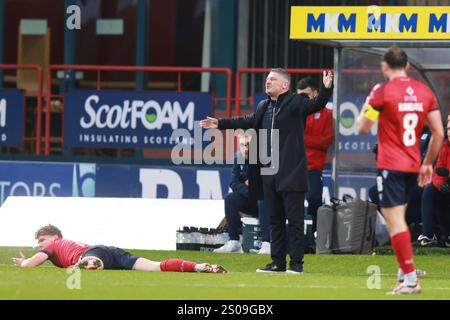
x: 11, y: 117
x: 122, y: 119
x: 370, y: 22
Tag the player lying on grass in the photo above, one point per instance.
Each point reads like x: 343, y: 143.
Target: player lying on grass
x: 67, y: 253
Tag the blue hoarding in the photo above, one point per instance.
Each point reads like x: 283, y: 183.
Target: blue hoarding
x: 11, y: 117
x: 174, y: 182
x: 46, y: 179
x: 135, y: 181
x: 129, y: 119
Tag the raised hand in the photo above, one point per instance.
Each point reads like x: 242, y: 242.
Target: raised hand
x: 209, y: 123
x: 328, y: 78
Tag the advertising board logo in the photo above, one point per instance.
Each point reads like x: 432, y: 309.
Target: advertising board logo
x: 151, y: 116
x: 347, y: 119
x: 349, y: 113
x: 123, y: 119
x: 132, y: 113
x: 83, y: 182
x: 350, y: 140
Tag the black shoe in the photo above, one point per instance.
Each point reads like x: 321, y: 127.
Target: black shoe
x: 272, y: 267
x: 425, y: 241
x: 295, y: 269
x: 310, y: 250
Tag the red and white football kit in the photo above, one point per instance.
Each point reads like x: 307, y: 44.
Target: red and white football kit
x: 403, y: 104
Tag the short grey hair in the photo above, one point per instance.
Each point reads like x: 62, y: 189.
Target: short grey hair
x: 283, y: 73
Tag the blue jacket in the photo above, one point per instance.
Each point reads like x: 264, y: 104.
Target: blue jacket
x: 238, y: 178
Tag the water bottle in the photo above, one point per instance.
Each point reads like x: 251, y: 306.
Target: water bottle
x: 195, y: 239
x: 205, y: 239
x: 222, y: 237
x: 186, y: 238
x: 179, y: 237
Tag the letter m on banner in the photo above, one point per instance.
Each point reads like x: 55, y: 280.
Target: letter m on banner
x: 370, y: 23
x: 325, y: 22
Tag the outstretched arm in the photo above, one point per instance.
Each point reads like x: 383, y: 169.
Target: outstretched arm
x: 36, y: 260
x: 243, y: 122
x: 209, y: 123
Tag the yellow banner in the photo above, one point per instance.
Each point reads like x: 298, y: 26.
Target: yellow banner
x: 372, y: 22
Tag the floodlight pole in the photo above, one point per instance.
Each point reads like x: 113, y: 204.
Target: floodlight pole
x: 337, y: 118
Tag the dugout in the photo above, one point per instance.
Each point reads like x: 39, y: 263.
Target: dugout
x: 430, y: 64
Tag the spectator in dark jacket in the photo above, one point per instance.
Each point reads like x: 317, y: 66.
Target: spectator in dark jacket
x: 239, y: 201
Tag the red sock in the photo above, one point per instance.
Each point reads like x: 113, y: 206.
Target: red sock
x: 177, y: 265
x: 401, y: 243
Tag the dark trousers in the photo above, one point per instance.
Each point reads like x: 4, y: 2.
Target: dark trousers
x: 435, y: 212
x: 314, y: 195
x: 235, y: 202
x: 264, y: 221
x: 282, y: 206
x: 414, y: 210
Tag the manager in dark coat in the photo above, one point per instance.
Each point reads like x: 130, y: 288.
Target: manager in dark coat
x: 285, y: 113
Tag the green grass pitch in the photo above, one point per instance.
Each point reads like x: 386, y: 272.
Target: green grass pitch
x: 325, y: 277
